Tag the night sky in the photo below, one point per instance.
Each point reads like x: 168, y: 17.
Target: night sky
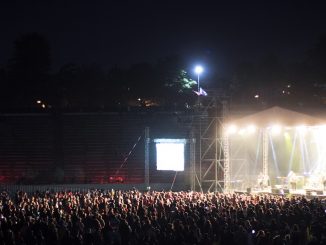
x: 122, y: 33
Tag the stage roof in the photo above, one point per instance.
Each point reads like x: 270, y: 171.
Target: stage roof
x: 277, y: 115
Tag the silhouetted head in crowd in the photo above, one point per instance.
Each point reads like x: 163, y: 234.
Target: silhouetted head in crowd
x: 134, y: 217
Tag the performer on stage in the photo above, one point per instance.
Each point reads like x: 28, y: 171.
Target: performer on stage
x: 263, y: 181
x: 266, y: 181
x: 260, y: 180
x: 292, y: 180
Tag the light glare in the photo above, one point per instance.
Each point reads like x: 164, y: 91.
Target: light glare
x: 231, y: 129
x: 276, y: 129
x: 199, y: 69
x: 170, y: 156
x: 242, y: 131
x: 301, y: 129
x: 251, y: 129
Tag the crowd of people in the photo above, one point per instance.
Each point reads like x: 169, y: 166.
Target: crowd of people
x: 165, y: 217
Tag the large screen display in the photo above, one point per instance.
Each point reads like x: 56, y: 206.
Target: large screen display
x: 170, y: 154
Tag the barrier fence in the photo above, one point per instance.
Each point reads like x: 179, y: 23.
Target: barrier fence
x: 85, y: 187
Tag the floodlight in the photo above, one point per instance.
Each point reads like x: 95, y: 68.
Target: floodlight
x: 321, y: 130
x: 322, y: 127
x: 301, y: 129
x: 199, y: 69
x: 251, y: 129
x: 231, y: 129
x: 276, y: 129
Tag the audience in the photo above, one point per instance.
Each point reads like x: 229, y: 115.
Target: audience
x: 134, y: 217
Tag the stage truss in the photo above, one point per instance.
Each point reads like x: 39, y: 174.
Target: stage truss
x: 209, y: 172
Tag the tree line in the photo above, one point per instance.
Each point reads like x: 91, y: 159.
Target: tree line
x: 28, y: 81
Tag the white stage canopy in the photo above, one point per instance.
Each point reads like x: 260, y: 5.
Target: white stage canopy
x: 271, y: 143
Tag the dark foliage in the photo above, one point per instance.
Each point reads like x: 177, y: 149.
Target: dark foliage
x: 28, y: 78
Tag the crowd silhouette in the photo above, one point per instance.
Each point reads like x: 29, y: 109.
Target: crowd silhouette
x: 135, y: 217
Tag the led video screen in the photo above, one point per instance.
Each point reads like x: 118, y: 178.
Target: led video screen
x: 170, y: 154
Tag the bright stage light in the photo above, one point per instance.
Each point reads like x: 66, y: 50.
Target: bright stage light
x: 322, y: 128
x: 251, y: 129
x: 302, y: 129
x: 231, y: 129
x: 199, y: 69
x: 276, y: 129
x: 320, y: 131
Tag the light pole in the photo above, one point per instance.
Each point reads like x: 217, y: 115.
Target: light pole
x: 198, y: 70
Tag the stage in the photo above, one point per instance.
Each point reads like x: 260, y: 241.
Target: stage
x: 308, y: 193
x: 279, y: 149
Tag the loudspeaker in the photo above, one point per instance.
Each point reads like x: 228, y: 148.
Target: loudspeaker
x: 320, y: 193
x: 276, y: 191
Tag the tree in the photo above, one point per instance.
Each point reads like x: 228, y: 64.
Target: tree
x: 181, y: 83
x: 4, y: 91
x: 28, y: 69
x: 63, y: 85
x: 176, y: 85
x: 316, y: 60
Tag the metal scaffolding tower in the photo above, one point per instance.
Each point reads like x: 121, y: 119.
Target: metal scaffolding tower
x: 208, y: 172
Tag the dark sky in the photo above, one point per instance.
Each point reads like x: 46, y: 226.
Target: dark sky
x: 124, y: 32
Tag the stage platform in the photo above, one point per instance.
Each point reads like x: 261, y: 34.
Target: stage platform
x: 310, y: 193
